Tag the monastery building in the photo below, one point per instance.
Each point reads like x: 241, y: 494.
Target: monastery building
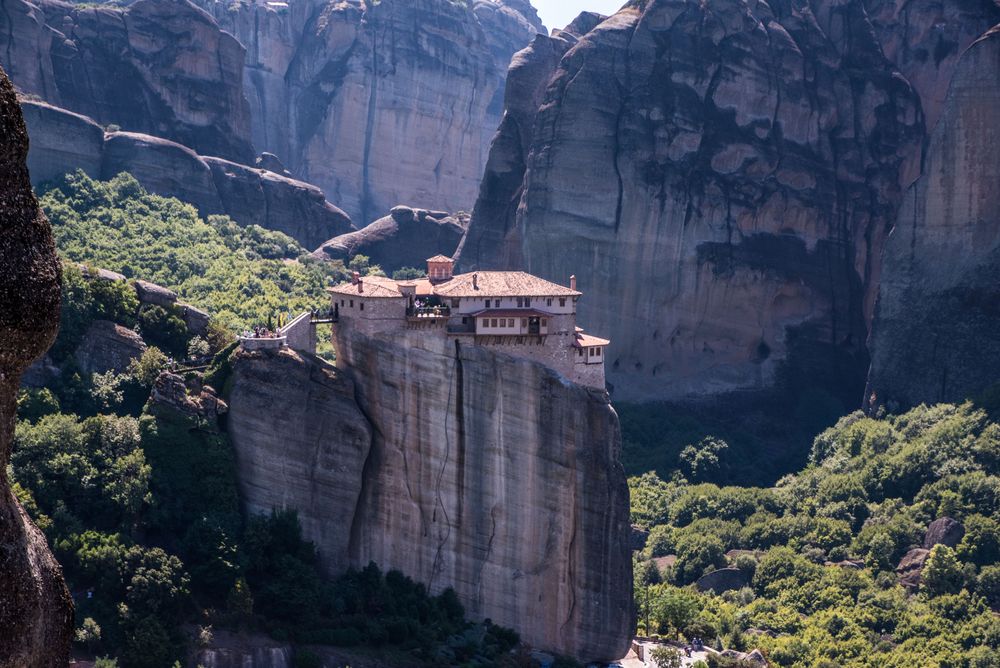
x: 524, y: 315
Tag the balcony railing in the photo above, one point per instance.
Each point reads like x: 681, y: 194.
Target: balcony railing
x: 428, y: 312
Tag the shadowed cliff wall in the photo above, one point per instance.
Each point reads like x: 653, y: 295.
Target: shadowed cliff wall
x: 36, y: 612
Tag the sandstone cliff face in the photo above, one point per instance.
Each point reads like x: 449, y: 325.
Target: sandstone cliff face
x: 721, y: 178
x: 936, y: 335
x: 161, y: 67
x: 404, y: 238
x: 456, y: 465
x: 379, y: 103
x: 36, y: 611
x: 63, y: 141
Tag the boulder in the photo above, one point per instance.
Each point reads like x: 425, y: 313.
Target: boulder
x: 108, y: 346
x: 639, y: 537
x: 151, y: 293
x: 910, y: 567
x: 723, y: 580
x: 276, y: 202
x: 196, y: 320
x: 404, y: 238
x: 272, y: 163
x: 163, y: 167
x: 943, y: 531
x: 101, y: 274
x: 170, y: 391
x: 36, y: 610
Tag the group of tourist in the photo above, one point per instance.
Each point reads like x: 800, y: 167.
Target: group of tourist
x: 260, y: 332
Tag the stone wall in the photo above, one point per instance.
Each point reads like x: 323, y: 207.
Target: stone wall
x: 300, y: 334
x: 372, y: 314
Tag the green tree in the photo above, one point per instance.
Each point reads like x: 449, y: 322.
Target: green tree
x: 666, y: 657
x: 942, y: 574
x: 89, y: 634
x: 988, y: 585
x: 696, y: 554
x: 981, y: 543
x: 239, y: 602
x: 672, y: 608
x: 704, y: 460
x: 650, y: 500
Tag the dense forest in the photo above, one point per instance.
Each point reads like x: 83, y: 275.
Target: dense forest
x: 816, y: 555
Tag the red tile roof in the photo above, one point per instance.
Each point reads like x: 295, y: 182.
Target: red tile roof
x: 440, y: 258
x: 374, y: 286
x: 586, y: 340
x: 502, y: 284
x: 511, y: 313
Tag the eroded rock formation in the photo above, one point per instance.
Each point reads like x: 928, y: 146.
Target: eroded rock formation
x: 936, y: 335
x: 404, y: 238
x: 36, y: 612
x: 460, y: 467
x: 64, y: 141
x: 379, y: 103
x: 720, y: 176
x: 160, y: 67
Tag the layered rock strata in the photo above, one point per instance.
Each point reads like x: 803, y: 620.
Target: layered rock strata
x: 63, y: 141
x: 404, y: 238
x: 36, y: 611
x: 936, y: 335
x: 459, y: 466
x: 160, y: 67
x: 720, y: 177
x: 379, y: 102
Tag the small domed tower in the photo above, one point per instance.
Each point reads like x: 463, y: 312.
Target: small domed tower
x: 440, y: 268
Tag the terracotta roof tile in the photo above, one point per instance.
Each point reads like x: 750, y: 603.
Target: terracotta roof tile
x: 374, y: 286
x: 440, y: 258
x: 502, y: 284
x: 586, y: 340
x: 511, y: 313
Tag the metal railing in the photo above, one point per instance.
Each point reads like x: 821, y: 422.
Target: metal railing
x: 428, y: 312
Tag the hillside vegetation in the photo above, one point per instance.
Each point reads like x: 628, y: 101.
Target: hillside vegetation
x: 243, y: 276
x: 819, y: 550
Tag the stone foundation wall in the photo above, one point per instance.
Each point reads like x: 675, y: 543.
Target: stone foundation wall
x: 301, y: 334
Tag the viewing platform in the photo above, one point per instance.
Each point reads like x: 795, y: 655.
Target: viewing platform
x: 255, y: 343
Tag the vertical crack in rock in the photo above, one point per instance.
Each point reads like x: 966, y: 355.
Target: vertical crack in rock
x: 367, y: 199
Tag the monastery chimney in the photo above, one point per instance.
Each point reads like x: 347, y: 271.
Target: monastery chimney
x: 475, y: 281
x: 356, y: 277
x: 572, y: 282
x: 361, y: 285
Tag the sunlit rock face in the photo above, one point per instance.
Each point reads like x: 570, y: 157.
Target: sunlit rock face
x: 936, y: 335
x: 379, y: 103
x: 36, y: 612
x: 160, y: 67
x: 720, y: 177
x: 458, y: 466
